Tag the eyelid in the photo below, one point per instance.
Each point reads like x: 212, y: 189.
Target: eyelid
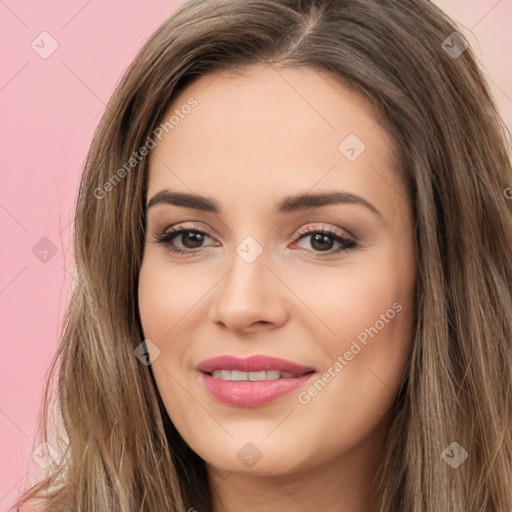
x: 324, y: 227
x: 306, y: 229
x: 183, y: 225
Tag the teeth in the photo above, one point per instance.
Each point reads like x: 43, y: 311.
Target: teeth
x: 236, y: 375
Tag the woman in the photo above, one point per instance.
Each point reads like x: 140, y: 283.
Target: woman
x: 248, y: 365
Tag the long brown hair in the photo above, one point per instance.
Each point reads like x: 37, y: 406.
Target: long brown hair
x: 120, y: 451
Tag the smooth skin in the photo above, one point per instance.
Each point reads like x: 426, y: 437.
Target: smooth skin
x: 250, y: 141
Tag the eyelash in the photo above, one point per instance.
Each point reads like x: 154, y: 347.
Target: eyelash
x: 166, y: 237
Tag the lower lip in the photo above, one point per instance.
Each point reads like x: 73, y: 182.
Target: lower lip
x: 249, y: 393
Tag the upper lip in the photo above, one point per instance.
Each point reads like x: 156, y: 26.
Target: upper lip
x: 252, y: 364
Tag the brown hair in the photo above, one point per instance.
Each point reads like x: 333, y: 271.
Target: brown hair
x: 120, y: 449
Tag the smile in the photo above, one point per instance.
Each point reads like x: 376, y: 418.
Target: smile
x: 237, y: 375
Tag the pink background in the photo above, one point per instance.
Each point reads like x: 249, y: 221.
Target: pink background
x: 49, y: 110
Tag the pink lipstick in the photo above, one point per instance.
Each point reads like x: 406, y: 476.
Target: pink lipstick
x: 253, y: 381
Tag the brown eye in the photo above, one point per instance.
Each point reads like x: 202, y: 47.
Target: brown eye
x: 191, y: 239
x: 323, y: 240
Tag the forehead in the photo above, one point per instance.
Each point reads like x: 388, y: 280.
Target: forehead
x: 268, y: 129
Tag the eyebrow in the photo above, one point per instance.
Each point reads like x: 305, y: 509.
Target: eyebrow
x: 299, y: 202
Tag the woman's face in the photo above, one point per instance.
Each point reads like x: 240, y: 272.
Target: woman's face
x: 258, y: 277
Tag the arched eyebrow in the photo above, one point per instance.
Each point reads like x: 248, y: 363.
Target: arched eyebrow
x: 289, y: 204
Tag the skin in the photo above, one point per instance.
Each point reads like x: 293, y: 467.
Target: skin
x: 250, y: 141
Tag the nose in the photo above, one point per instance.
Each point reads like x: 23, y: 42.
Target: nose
x: 250, y: 297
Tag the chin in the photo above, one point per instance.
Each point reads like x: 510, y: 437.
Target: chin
x: 258, y: 459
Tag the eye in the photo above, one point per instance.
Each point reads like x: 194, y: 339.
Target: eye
x: 192, y: 238
x: 322, y: 240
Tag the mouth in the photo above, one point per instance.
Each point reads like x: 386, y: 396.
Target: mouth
x: 250, y: 393
x: 250, y: 368
x: 240, y: 376
x: 254, y: 381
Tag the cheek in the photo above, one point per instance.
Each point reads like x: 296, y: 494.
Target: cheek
x: 370, y: 318
x: 372, y: 322
x: 363, y: 304
x: 166, y: 296
x: 166, y: 306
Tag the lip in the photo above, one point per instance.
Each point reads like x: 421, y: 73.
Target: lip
x: 252, y: 393
x: 252, y: 364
